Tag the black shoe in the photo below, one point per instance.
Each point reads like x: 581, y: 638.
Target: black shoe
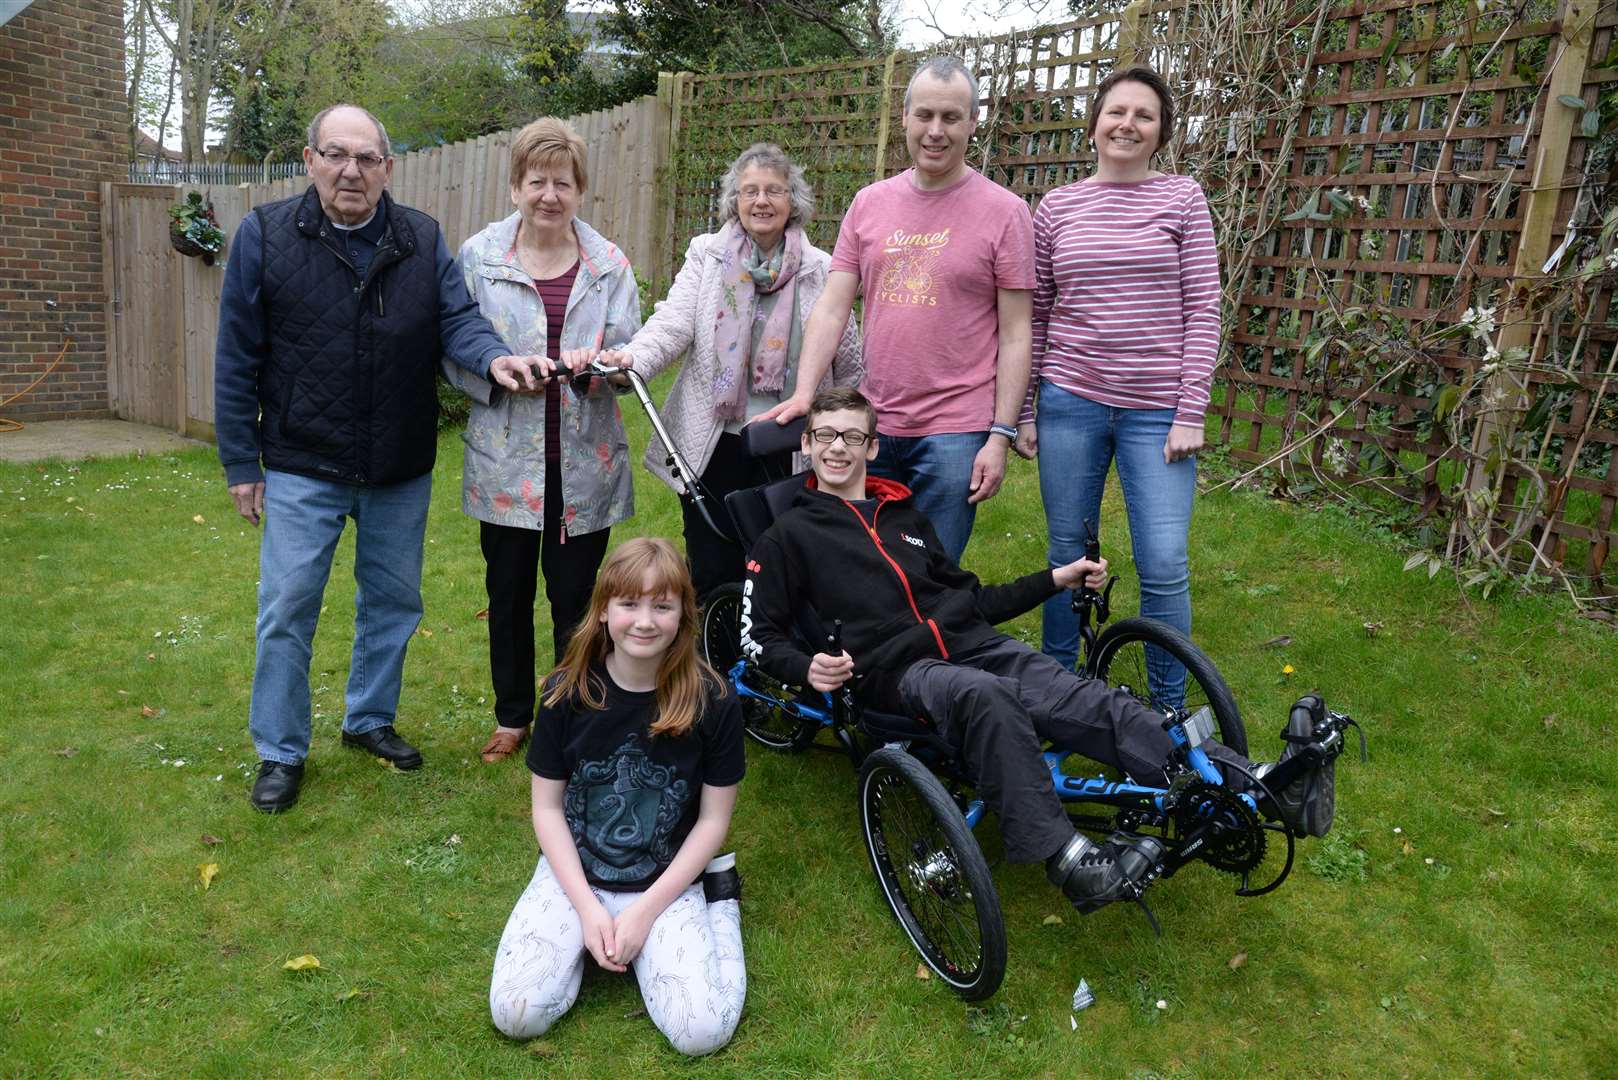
x: 1310, y: 801
x: 276, y: 788
x: 384, y: 742
x: 720, y: 880
x: 1093, y: 875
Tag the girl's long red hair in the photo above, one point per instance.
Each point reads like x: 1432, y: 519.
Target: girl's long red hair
x: 645, y: 566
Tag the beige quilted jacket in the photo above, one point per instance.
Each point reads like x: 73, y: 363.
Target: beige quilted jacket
x: 684, y: 323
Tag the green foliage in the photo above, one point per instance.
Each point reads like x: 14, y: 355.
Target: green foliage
x: 707, y: 36
x: 193, y: 220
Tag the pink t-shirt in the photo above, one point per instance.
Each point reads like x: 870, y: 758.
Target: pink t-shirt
x: 930, y: 263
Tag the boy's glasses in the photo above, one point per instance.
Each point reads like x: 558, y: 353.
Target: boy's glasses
x: 853, y: 438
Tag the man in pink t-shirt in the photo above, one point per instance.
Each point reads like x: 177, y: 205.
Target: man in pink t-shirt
x: 946, y: 261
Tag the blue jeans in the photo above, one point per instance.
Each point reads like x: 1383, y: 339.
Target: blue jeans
x: 1079, y: 440
x: 303, y: 519
x: 938, y: 471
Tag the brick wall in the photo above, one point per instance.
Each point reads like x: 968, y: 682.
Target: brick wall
x: 62, y: 116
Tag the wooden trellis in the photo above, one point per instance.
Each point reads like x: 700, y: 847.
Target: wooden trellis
x: 1422, y: 135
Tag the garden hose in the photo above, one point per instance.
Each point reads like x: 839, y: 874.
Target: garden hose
x: 17, y: 425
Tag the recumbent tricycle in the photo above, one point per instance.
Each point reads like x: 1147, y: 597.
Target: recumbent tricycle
x: 917, y: 807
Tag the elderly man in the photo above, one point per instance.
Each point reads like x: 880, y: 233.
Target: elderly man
x: 946, y: 259
x: 336, y: 307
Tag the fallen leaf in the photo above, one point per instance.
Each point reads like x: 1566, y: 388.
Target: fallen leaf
x: 306, y: 962
x: 199, y: 519
x: 923, y: 972
x: 1280, y: 642
x: 350, y: 994
x: 423, y: 631
x: 1236, y: 961
x: 384, y: 762
x: 1408, y: 848
x: 542, y: 1049
x: 151, y: 656
x: 207, y: 871
x: 483, y: 615
x: 1053, y: 920
x: 67, y: 751
x: 210, y: 839
x: 147, y: 711
x: 125, y: 693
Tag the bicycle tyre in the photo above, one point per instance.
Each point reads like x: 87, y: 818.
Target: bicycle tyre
x: 932, y: 873
x: 1119, y: 658
x: 768, y: 725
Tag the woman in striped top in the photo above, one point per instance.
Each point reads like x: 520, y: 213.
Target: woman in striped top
x: 1126, y: 331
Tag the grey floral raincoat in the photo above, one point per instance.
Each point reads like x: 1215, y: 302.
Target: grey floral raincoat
x: 503, y: 479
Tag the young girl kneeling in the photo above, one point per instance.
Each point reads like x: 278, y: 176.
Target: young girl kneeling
x: 636, y: 755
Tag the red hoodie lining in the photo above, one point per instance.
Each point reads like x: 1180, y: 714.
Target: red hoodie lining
x: 904, y: 582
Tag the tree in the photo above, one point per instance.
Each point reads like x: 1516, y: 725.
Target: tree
x: 745, y: 35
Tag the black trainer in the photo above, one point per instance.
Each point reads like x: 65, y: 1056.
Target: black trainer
x: 1310, y: 801
x: 276, y: 788
x: 720, y: 880
x: 1093, y: 875
x: 384, y: 742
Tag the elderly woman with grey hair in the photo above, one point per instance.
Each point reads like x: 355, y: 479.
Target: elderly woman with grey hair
x: 737, y: 309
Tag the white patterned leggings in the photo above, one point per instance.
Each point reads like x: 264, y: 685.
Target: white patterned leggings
x: 690, y: 970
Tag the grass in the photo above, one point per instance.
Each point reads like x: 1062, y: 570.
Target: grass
x: 1460, y: 921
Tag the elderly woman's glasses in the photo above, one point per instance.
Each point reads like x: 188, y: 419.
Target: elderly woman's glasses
x: 339, y: 159
x: 774, y: 191
x: 853, y: 438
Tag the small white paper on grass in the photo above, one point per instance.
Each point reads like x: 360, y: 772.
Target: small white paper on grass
x: 1082, y: 997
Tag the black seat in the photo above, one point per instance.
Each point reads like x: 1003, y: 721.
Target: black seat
x: 755, y: 509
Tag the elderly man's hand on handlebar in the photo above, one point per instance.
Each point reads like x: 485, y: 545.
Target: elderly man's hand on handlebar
x: 522, y: 374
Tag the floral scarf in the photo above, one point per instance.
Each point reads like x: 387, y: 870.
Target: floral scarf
x: 746, y: 277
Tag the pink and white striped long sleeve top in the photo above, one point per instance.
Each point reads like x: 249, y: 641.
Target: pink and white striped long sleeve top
x: 1126, y: 295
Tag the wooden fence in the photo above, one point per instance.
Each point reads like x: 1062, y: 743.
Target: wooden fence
x: 1401, y: 162
x: 1386, y: 166
x: 163, y: 309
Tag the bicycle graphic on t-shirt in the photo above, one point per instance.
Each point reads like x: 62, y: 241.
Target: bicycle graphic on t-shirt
x: 910, y: 277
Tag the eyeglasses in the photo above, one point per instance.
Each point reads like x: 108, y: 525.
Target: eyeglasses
x: 853, y: 438
x: 339, y: 159
x: 774, y: 191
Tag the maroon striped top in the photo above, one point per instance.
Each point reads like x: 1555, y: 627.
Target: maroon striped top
x: 1126, y: 295
x: 553, y: 293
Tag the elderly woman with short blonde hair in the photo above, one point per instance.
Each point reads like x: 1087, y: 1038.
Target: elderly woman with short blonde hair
x: 546, y: 471
x: 738, y: 305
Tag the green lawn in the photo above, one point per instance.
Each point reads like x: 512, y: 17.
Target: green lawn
x: 1459, y: 922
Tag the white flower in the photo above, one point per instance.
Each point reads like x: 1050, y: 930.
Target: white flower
x: 1480, y: 321
x: 1612, y: 260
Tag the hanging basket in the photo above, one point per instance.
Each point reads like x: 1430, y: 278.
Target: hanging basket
x: 194, y: 231
x: 189, y: 247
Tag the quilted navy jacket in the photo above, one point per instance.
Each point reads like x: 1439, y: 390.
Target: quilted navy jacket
x: 322, y: 373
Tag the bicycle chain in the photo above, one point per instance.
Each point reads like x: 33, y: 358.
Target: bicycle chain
x: 1236, y: 844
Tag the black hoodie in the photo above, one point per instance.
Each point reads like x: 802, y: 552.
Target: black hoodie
x: 883, y: 573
